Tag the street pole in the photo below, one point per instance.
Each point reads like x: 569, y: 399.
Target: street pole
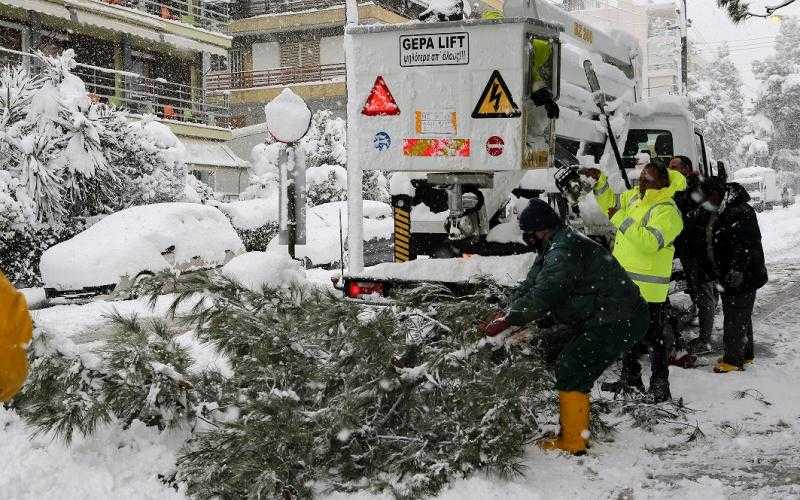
x: 684, y: 51
x: 291, y: 201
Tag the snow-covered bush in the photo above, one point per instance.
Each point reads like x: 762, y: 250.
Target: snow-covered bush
x: 65, y: 159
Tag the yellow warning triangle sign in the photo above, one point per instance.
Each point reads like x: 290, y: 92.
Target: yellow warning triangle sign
x: 496, y: 100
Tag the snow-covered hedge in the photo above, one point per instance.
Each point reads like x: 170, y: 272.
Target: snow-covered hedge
x: 65, y: 160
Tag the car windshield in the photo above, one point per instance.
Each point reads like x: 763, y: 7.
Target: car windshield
x: 657, y: 143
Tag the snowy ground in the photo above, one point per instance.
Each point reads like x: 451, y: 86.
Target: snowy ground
x: 749, y: 448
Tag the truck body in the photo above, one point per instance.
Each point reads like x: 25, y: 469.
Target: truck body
x: 761, y: 184
x: 454, y: 111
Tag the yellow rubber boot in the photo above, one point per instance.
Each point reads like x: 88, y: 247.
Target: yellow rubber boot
x: 723, y: 367
x: 574, y: 424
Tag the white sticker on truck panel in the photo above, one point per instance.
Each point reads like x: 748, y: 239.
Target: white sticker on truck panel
x: 436, y: 122
x: 434, y: 49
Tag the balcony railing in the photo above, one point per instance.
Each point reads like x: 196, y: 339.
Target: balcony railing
x: 211, y: 15
x: 139, y: 95
x: 275, y: 77
x: 250, y: 8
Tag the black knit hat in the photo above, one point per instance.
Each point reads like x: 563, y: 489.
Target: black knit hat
x: 537, y: 216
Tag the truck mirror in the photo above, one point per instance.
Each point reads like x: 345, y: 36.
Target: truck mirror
x: 722, y: 172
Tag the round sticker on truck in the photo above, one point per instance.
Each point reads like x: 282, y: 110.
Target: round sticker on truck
x: 494, y: 146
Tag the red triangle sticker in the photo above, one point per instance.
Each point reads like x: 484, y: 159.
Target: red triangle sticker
x: 380, y: 101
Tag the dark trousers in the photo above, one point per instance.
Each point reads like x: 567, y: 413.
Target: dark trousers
x: 738, y: 326
x: 587, y: 353
x: 704, y: 297
x: 657, y: 348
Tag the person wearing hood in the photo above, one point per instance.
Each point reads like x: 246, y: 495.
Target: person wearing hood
x: 736, y: 257
x: 647, y: 221
x: 580, y: 286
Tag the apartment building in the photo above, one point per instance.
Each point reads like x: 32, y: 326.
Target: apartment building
x: 147, y: 56
x: 296, y: 44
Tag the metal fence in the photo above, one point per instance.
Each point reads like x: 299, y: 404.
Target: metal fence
x: 212, y: 15
x: 250, y: 8
x: 274, y: 77
x: 140, y: 95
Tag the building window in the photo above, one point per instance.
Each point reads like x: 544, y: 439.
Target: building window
x: 205, y: 176
x: 219, y: 62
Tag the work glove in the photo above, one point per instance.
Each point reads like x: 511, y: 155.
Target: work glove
x: 495, y: 327
x: 543, y: 97
x: 734, y: 279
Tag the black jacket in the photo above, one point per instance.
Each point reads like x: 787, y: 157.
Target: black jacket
x: 735, y: 243
x: 685, y: 200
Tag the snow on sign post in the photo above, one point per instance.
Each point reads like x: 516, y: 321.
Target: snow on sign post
x: 288, y: 120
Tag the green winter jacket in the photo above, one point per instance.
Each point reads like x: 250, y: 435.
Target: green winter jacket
x: 578, y: 282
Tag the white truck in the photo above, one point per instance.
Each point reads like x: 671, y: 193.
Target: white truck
x: 761, y: 184
x: 461, y: 113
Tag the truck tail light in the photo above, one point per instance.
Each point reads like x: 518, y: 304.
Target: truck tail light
x: 358, y: 289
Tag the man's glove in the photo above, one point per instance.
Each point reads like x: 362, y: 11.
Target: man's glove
x: 734, y: 279
x: 495, y: 327
x: 543, y: 97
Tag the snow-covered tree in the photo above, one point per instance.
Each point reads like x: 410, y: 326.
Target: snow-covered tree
x: 779, y: 95
x: 717, y: 102
x: 65, y: 159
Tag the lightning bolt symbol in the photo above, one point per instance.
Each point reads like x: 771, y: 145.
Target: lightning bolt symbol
x: 495, y: 95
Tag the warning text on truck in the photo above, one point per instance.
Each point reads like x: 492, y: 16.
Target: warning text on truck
x: 434, y: 49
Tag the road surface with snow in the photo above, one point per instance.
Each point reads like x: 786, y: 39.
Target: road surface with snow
x: 739, y: 438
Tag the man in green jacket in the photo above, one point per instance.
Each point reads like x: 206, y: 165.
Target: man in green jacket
x: 577, y: 283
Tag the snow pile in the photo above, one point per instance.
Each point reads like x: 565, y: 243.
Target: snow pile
x: 205, y: 356
x: 288, y: 117
x: 322, y: 230
x: 256, y: 270
x: 750, y: 172
x: 253, y: 213
x: 505, y: 270
x: 117, y: 463
x: 780, y: 230
x: 141, y: 239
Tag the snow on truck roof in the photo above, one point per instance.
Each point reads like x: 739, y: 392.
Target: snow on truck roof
x: 384, y: 28
x: 743, y: 173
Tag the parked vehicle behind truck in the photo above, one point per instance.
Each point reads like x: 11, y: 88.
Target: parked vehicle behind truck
x: 761, y: 184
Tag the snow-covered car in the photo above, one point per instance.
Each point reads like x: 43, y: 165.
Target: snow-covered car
x: 114, y: 253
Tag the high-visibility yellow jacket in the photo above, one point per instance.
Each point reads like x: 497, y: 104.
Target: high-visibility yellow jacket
x: 15, y: 333
x: 646, y: 230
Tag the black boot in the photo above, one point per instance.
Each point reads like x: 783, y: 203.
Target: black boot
x: 659, y: 391
x: 625, y: 385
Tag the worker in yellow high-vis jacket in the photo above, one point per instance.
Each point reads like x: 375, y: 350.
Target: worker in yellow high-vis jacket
x: 15, y: 333
x: 647, y: 222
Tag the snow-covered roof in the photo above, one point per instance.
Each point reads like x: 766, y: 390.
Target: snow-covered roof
x: 743, y: 173
x: 208, y: 153
x: 665, y: 105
